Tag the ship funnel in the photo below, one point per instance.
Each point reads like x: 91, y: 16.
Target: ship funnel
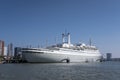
x: 66, y: 38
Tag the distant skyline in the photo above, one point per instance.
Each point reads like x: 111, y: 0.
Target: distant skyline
x: 33, y: 22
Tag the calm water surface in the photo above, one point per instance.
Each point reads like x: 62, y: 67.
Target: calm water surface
x: 61, y: 71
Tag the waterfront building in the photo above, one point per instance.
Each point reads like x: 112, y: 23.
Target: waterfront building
x: 1, y: 48
x: 5, y: 51
x: 10, y: 50
x: 109, y: 56
x: 17, y: 51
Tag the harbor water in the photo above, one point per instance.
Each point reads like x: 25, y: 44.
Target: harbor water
x: 61, y: 71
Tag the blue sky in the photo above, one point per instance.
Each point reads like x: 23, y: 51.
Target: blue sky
x: 32, y: 22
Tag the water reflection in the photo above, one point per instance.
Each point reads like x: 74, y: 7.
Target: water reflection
x: 61, y: 71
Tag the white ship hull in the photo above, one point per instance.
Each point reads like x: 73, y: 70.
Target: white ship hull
x: 61, y: 56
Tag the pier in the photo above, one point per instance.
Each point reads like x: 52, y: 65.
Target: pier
x: 11, y: 59
x: 112, y: 59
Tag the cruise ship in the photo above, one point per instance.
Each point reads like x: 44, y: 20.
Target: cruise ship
x: 64, y: 52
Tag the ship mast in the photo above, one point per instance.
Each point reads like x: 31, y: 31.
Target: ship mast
x: 90, y: 42
x: 69, y: 39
